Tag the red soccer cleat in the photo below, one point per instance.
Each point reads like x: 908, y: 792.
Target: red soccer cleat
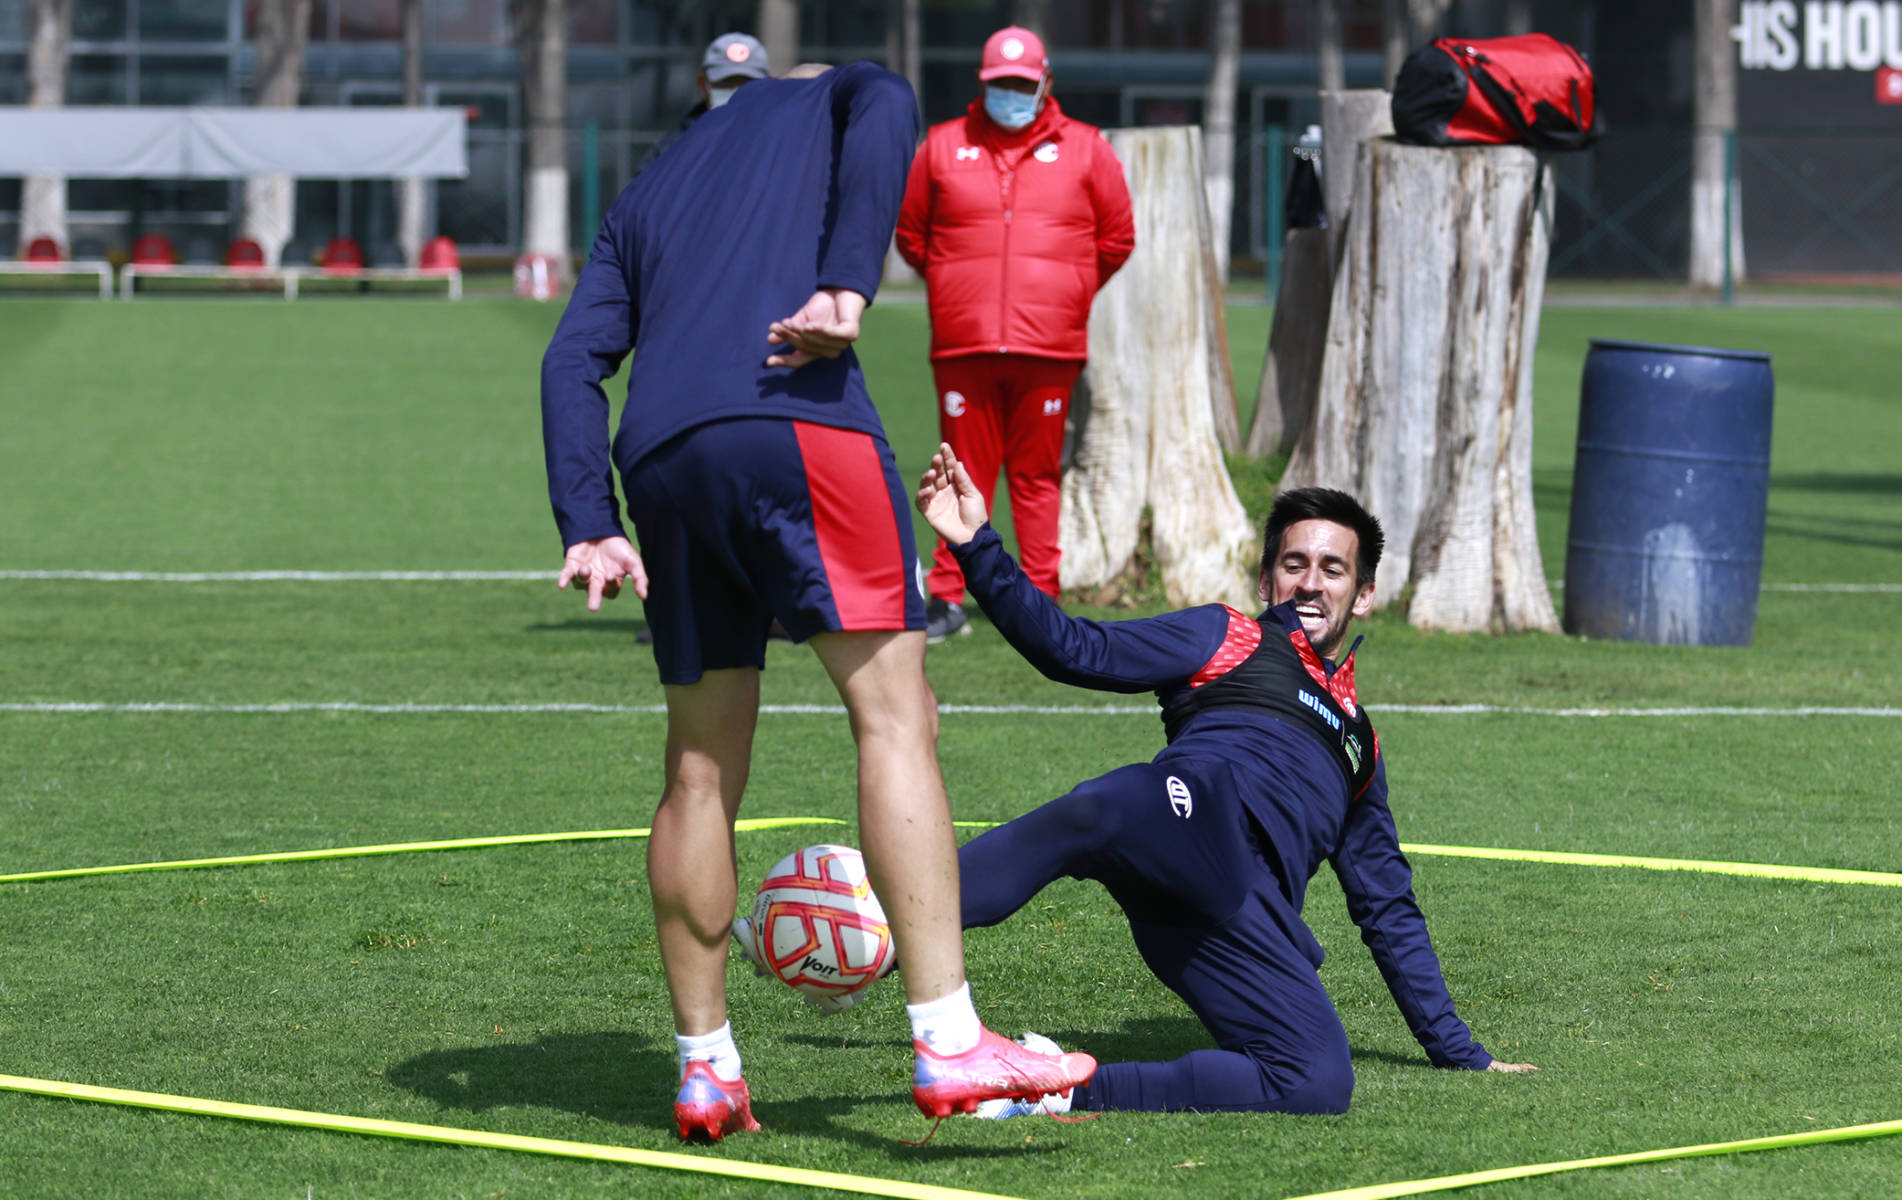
x: 995, y: 1069
x: 708, y: 1104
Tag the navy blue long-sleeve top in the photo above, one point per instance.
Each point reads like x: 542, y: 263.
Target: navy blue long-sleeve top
x: 1294, y: 789
x: 790, y: 187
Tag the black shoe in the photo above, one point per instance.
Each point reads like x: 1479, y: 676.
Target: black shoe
x: 944, y: 619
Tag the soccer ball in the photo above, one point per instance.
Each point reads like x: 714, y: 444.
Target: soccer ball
x: 818, y: 928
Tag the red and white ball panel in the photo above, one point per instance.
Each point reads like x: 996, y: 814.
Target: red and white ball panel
x: 817, y: 925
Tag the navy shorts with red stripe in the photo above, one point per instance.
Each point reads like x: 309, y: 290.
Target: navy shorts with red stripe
x: 744, y: 520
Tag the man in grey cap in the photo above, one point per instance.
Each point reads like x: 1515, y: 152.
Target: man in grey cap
x: 732, y: 59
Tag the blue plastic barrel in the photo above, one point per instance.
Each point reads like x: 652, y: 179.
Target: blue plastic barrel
x: 1669, y: 494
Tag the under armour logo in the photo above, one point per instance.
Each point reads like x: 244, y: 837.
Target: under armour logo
x: 954, y: 404
x: 965, y: 152
x: 1179, y: 798
x: 1053, y: 407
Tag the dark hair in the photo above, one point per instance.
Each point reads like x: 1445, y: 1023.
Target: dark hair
x: 1325, y: 504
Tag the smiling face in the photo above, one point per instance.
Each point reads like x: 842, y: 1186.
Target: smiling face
x: 1314, y: 567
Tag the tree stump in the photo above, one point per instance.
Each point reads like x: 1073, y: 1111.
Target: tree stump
x: 1426, y: 384
x: 1291, y: 371
x: 1157, y: 376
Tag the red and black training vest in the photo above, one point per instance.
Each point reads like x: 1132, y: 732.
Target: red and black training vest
x: 1268, y: 665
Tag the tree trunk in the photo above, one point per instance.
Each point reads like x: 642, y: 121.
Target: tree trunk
x: 542, y: 28
x: 778, y: 23
x: 270, y: 201
x: 1424, y: 16
x: 1714, y: 122
x: 1328, y: 47
x: 411, y: 198
x: 1393, y: 40
x: 1218, y: 124
x: 1347, y: 120
x: 1426, y: 386
x: 1033, y: 15
x: 43, y: 197
x: 1148, y: 437
x: 902, y: 56
x: 1291, y: 372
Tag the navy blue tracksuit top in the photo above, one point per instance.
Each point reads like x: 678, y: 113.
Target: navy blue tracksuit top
x: 790, y: 187
x: 1293, y: 788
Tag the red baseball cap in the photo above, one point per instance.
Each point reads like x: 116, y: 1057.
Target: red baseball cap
x: 1013, y: 51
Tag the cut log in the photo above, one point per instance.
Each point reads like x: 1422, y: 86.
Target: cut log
x: 1347, y: 120
x: 1426, y: 384
x: 1158, y: 356
x: 1291, y: 372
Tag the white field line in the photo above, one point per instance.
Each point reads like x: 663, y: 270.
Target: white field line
x: 834, y: 710
x: 549, y: 575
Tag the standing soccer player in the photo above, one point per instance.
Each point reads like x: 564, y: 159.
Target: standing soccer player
x: 761, y: 486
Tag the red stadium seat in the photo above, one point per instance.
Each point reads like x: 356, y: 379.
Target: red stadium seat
x: 43, y: 249
x: 439, y: 254
x: 342, y: 256
x: 245, y: 255
x: 153, y: 250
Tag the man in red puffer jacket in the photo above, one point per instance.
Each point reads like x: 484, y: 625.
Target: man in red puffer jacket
x: 1015, y: 215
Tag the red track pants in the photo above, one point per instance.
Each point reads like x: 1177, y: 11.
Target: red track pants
x: 1007, y: 411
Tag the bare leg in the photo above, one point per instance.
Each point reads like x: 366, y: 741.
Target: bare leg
x: 904, y: 816
x: 690, y: 866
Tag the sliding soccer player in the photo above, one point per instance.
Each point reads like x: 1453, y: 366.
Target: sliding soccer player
x: 1271, y: 767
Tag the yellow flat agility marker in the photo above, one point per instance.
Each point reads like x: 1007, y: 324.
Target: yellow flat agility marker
x: 514, y: 839
x: 1757, y: 870
x: 443, y: 1134
x: 1445, y: 1183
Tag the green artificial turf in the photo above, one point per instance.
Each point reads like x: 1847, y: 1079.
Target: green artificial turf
x: 517, y: 989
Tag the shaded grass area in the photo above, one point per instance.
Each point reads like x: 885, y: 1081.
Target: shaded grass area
x: 518, y: 990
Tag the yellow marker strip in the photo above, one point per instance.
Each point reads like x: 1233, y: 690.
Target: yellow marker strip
x: 516, y: 839
x: 1759, y: 870
x: 798, y: 1176
x: 1415, y: 1187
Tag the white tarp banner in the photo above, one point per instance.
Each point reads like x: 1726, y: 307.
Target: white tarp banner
x: 227, y: 143
x: 92, y: 143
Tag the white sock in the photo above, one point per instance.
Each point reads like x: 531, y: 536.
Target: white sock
x: 715, y: 1048
x: 947, y: 1025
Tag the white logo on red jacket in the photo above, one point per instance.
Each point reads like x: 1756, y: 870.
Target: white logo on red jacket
x: 1046, y: 153
x: 965, y: 152
x: 954, y: 404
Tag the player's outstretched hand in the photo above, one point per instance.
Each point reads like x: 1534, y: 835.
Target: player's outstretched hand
x: 1506, y: 1068
x: 602, y: 564
x: 950, y: 502
x: 823, y: 327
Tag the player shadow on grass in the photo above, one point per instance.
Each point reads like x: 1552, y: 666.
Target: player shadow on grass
x: 619, y: 1077
x: 626, y: 1079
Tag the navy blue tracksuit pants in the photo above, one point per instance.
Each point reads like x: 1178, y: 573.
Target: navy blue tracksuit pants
x: 1176, y: 850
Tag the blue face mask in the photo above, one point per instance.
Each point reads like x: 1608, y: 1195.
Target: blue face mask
x: 1012, y: 110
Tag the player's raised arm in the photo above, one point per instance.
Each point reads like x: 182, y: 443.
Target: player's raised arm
x: 1114, y: 656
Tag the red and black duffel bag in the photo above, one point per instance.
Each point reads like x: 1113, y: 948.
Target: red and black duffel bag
x: 1533, y: 89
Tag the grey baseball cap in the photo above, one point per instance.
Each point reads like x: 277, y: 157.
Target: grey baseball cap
x: 734, y: 54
